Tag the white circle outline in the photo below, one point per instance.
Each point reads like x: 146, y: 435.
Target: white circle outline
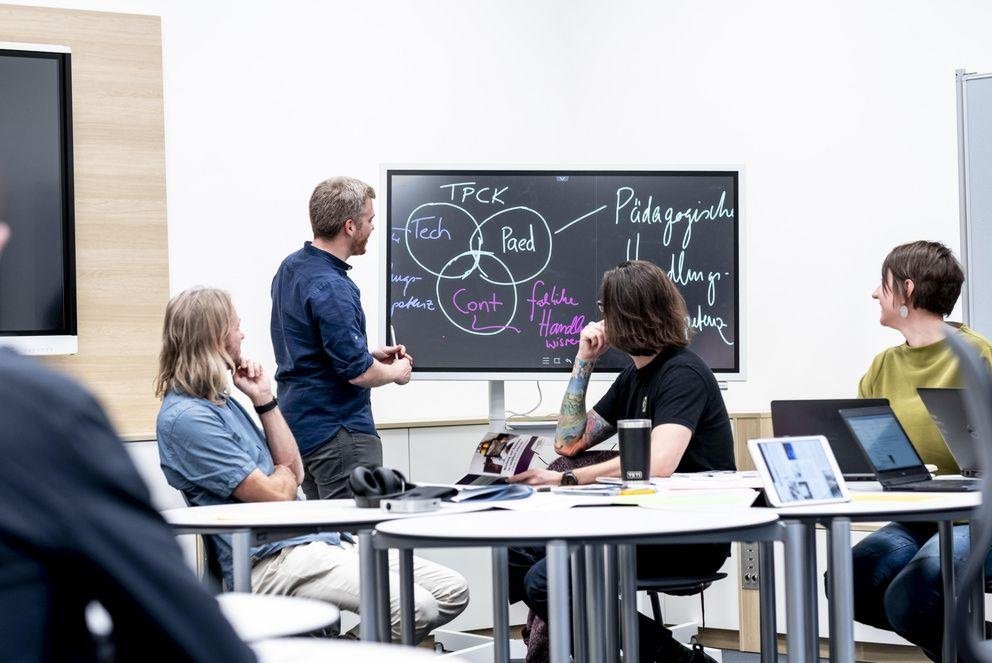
x: 540, y: 270
x: 477, y: 255
x: 406, y: 240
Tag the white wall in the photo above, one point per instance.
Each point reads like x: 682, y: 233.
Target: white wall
x: 842, y: 113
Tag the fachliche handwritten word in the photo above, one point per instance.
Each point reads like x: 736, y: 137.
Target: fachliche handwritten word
x: 406, y: 279
x: 485, y: 195
x: 413, y: 303
x: 541, y: 298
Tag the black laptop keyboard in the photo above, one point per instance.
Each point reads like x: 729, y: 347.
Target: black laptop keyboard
x: 939, y: 486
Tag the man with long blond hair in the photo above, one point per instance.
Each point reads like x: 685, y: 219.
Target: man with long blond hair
x: 77, y: 527
x: 212, y: 451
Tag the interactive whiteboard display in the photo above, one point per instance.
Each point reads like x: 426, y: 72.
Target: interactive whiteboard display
x: 497, y: 271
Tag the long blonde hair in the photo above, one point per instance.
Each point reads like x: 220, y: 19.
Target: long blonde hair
x: 194, y: 358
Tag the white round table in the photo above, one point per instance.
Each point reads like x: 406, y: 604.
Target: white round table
x: 261, y: 616
x: 624, y: 525
x: 866, y: 506
x: 322, y: 650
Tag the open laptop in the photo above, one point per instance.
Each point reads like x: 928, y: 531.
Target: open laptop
x: 820, y: 417
x: 893, y: 456
x: 946, y: 407
x: 798, y: 470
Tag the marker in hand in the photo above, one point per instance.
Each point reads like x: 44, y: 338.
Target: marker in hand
x: 392, y: 341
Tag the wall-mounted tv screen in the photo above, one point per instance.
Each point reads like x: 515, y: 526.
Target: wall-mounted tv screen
x: 37, y: 268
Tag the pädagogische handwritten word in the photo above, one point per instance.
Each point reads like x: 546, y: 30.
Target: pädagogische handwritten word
x: 651, y: 213
x: 541, y: 298
x: 406, y: 279
x: 462, y: 191
x: 703, y: 321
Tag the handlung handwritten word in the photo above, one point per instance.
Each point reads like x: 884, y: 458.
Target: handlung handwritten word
x: 414, y: 303
x: 704, y: 320
x: 485, y: 195
x: 474, y: 306
x: 519, y: 244
x: 406, y: 279
x: 548, y: 328
x: 429, y: 232
x: 541, y: 298
x: 682, y: 275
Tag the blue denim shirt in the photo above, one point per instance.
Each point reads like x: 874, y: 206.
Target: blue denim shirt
x: 206, y: 450
x: 318, y: 335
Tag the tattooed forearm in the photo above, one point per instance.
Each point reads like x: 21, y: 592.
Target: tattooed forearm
x: 569, y: 435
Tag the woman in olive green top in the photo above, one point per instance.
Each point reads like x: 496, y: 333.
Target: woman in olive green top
x: 897, y: 583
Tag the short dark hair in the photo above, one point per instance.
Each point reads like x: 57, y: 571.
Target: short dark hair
x: 935, y: 272
x: 334, y: 201
x: 643, y: 310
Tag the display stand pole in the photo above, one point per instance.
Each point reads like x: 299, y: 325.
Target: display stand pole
x: 497, y: 406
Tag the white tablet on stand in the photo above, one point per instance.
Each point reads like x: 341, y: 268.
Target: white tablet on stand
x: 798, y: 470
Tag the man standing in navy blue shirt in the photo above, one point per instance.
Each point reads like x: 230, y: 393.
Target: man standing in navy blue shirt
x: 325, y: 370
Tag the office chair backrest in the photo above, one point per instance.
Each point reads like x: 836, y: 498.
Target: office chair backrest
x: 213, y: 577
x: 978, y: 402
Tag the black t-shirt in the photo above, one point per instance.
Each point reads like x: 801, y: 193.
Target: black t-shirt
x: 677, y: 387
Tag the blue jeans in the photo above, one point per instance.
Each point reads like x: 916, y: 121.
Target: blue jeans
x: 897, y: 582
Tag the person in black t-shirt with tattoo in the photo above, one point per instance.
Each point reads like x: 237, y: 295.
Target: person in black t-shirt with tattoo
x: 644, y: 315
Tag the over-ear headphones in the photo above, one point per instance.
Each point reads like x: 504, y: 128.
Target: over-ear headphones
x: 370, y: 484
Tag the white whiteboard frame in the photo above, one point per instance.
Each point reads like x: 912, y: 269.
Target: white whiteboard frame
x: 964, y: 198
x: 565, y: 373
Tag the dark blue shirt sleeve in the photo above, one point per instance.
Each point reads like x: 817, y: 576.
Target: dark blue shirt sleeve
x: 342, y: 331
x: 205, y: 451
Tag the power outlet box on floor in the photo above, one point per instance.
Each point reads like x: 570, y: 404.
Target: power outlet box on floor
x: 749, y: 566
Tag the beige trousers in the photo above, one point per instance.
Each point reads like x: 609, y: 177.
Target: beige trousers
x: 330, y: 573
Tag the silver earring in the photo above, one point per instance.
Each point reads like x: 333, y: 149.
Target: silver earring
x: 903, y: 311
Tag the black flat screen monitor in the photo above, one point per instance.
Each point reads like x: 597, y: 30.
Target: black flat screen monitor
x: 492, y: 274
x: 37, y: 269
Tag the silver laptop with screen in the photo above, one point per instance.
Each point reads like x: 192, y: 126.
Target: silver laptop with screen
x: 798, y: 470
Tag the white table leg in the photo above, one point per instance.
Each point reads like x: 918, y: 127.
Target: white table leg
x: 945, y: 530
x: 627, y: 559
x: 594, y: 603
x: 367, y: 608
x: 841, y: 588
x: 559, y: 627
x: 241, y: 561
x: 501, y: 614
x: 795, y: 588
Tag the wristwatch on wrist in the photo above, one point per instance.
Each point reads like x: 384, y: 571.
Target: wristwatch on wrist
x: 569, y: 479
